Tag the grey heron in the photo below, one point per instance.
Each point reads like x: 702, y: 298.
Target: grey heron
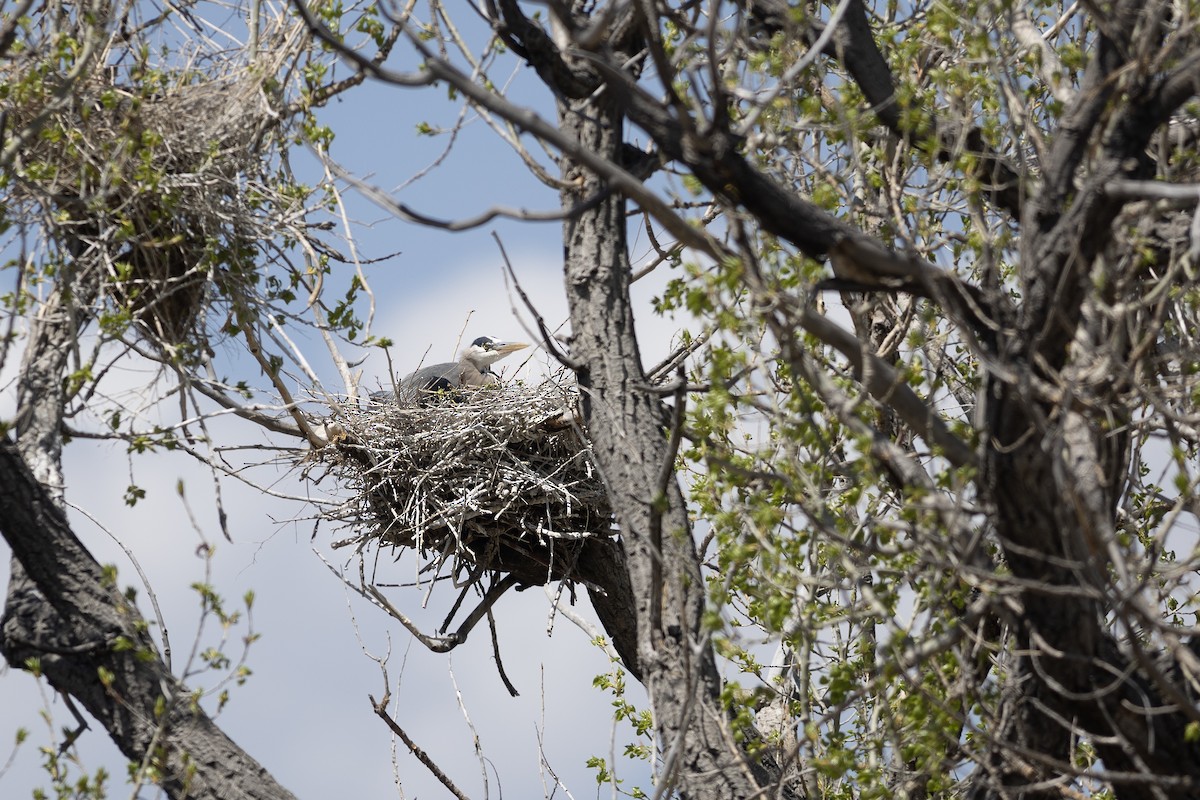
x: 473, y: 368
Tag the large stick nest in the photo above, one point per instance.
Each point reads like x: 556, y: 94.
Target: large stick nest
x: 162, y: 183
x: 478, y: 482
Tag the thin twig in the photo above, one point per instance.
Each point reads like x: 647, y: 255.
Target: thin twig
x: 380, y: 708
x: 549, y: 342
x: 512, y: 690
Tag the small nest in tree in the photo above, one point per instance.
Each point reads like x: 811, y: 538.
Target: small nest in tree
x: 485, y: 481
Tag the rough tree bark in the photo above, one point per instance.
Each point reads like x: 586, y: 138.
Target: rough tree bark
x: 624, y: 420
x: 625, y: 423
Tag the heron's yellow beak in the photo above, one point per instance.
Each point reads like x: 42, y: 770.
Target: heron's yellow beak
x: 510, y: 347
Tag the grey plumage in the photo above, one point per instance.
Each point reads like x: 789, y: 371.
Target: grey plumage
x: 473, y: 368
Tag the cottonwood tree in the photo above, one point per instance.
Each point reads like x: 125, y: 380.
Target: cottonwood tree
x: 917, y: 519
x: 153, y: 221
x: 929, y: 488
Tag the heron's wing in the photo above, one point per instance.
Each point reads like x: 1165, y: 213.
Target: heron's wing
x: 438, y: 376
x: 417, y: 387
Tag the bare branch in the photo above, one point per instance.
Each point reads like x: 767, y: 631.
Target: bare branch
x: 380, y: 707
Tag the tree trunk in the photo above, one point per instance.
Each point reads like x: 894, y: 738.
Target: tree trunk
x: 65, y: 616
x: 625, y: 424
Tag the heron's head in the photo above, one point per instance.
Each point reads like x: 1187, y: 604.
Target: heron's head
x: 485, y: 351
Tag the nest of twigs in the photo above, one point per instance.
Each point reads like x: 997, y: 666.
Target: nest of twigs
x: 156, y: 184
x: 477, y: 482
x: 202, y: 224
